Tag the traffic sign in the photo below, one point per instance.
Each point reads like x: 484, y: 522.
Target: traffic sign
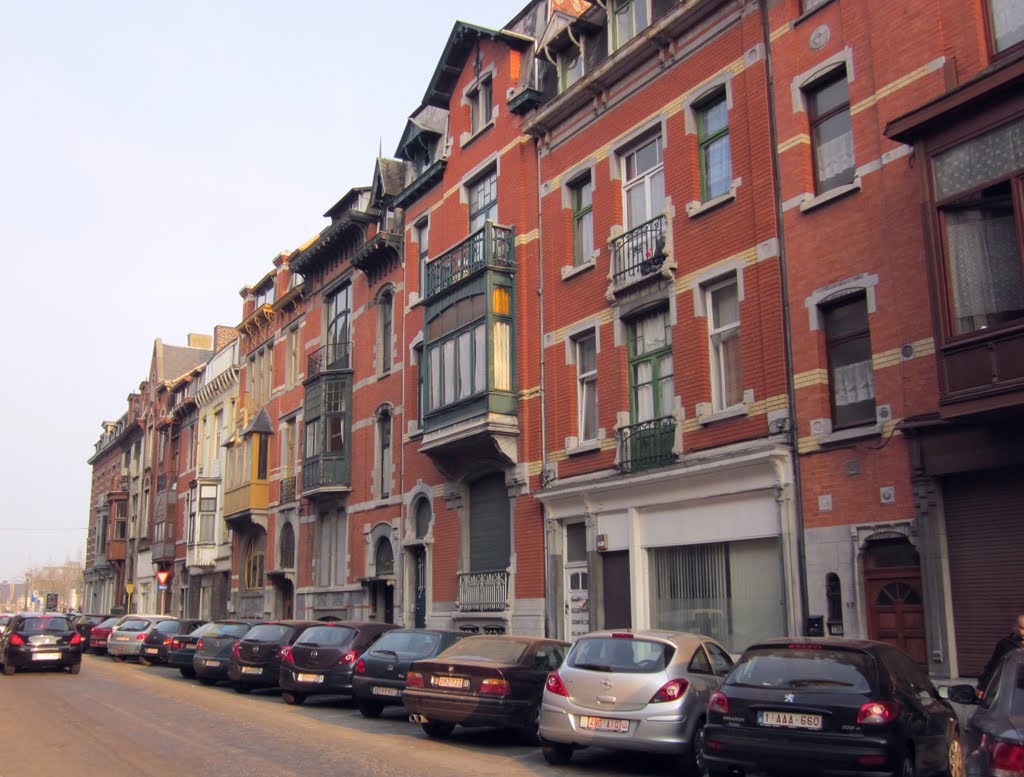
x: 161, y: 578
x: 129, y: 588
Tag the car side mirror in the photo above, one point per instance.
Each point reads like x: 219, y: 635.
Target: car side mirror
x: 958, y: 694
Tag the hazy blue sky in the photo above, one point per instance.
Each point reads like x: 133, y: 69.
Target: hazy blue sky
x: 154, y: 158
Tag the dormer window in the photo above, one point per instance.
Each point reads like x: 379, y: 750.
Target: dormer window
x: 627, y: 19
x: 570, y: 67
x: 265, y: 296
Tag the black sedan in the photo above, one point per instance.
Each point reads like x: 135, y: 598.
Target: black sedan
x: 256, y: 660
x: 830, y: 707
x: 380, y: 674
x: 213, y: 650
x: 322, y: 659
x: 157, y: 643
x: 487, y: 680
x: 37, y: 641
x: 995, y: 732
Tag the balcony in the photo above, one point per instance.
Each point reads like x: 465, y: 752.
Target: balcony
x: 982, y: 372
x: 646, y: 445
x: 326, y: 474
x: 489, y: 246
x: 288, y: 492
x: 163, y: 551
x: 246, y: 498
x: 483, y: 591
x: 117, y: 550
x: 382, y: 252
x: 639, y: 253
x: 201, y: 555
x: 332, y: 357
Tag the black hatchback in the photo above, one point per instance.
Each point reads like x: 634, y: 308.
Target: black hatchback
x: 157, y: 643
x: 213, y: 649
x: 323, y: 658
x: 33, y: 640
x: 256, y: 660
x: 380, y: 674
x: 830, y: 707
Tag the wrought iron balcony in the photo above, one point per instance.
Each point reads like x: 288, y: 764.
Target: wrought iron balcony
x: 483, y: 591
x: 647, y: 445
x: 288, y: 489
x: 490, y: 246
x: 639, y: 252
x: 333, y: 356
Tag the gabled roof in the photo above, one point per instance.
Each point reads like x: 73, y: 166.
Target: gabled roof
x: 427, y: 121
x: 259, y: 425
x: 388, y: 179
x: 350, y: 199
x: 464, y: 37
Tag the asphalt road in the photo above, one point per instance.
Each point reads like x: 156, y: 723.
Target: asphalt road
x: 118, y: 719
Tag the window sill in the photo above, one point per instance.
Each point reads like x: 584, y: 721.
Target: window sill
x: 571, y: 271
x: 808, y: 14
x: 848, y: 435
x: 587, y: 446
x: 710, y: 417
x: 470, y: 138
x: 696, y: 208
x: 832, y: 194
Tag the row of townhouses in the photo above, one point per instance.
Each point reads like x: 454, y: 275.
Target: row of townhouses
x: 702, y: 315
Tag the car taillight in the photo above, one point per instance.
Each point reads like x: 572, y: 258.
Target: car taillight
x: 803, y: 647
x: 719, y: 703
x: 16, y: 640
x: 622, y: 635
x: 876, y: 713
x: 673, y: 690
x: 1005, y: 758
x: 555, y: 685
x: 413, y: 680
x: 199, y: 644
x: 175, y: 644
x: 348, y: 657
x: 360, y: 666
x: 235, y: 652
x: 76, y: 639
x: 168, y: 641
x: 286, y: 654
x: 495, y: 686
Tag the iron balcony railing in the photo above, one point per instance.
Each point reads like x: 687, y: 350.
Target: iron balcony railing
x: 288, y: 489
x: 483, y: 591
x: 489, y: 246
x: 333, y: 356
x: 647, y: 445
x: 639, y: 252
x: 324, y: 472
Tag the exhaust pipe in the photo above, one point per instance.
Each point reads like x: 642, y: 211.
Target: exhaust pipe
x: 417, y: 718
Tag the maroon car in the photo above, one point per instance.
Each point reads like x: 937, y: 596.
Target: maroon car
x: 98, y: 635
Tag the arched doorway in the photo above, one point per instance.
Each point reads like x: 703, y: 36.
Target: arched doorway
x: 892, y: 587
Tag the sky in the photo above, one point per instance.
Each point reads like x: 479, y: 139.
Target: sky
x: 154, y: 158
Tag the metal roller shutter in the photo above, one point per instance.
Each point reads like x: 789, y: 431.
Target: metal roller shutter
x: 985, y: 534
x: 490, y: 537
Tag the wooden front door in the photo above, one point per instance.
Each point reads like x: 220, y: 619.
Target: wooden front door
x: 896, y: 610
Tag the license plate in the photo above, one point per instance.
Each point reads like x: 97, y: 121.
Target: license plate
x: 380, y: 690
x: 450, y: 682
x: 190, y: 647
x: 310, y: 678
x: 789, y: 720
x: 211, y: 662
x: 604, y: 724
x: 45, y: 656
x: 152, y: 650
x: 252, y: 670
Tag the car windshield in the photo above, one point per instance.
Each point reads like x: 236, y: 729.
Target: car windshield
x: 327, y: 636
x: 407, y: 644
x: 497, y: 649
x: 109, y: 622
x: 616, y: 654
x: 134, y: 624
x: 221, y: 630
x: 45, y: 626
x: 806, y: 668
x: 269, y: 632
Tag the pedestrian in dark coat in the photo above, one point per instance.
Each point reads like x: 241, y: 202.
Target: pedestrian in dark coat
x: 1012, y: 641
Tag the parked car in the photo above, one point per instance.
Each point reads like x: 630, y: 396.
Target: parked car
x: 995, y: 731
x: 633, y: 690
x: 84, y: 625
x: 4, y: 617
x: 486, y: 680
x: 255, y: 661
x: 40, y: 641
x: 322, y: 659
x: 157, y: 643
x: 836, y: 706
x: 125, y: 640
x: 100, y: 633
x: 379, y: 674
x: 213, y: 650
x: 183, y: 648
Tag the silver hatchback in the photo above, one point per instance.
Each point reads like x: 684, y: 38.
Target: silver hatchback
x: 125, y: 640
x: 633, y: 690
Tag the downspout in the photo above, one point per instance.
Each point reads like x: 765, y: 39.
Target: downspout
x: 787, y: 329
x: 549, y: 624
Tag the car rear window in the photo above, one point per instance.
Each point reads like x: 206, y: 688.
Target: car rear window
x: 408, y: 644
x: 134, y: 624
x: 327, y: 636
x: 219, y: 630
x: 813, y: 667
x: 616, y: 654
x: 507, y: 651
x: 45, y: 625
x: 167, y: 627
x: 107, y: 623
x: 267, y: 632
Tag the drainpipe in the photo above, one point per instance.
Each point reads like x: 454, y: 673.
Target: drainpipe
x: 787, y: 329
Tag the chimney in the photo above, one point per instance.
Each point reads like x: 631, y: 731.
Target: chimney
x: 205, y: 342
x: 223, y: 336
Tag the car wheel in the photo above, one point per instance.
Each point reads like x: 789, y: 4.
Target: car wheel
x: 557, y: 754
x: 119, y: 659
x: 207, y: 681
x: 957, y: 767
x: 436, y: 729
x: 75, y: 668
x: 530, y: 733
x: 187, y: 672
x: 145, y: 661
x: 9, y: 670
x: 293, y: 698
x: 242, y: 689
x: 693, y: 760
x: 371, y: 709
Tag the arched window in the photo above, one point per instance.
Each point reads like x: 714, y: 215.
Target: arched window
x: 287, y: 546
x: 422, y: 518
x: 253, y: 569
x: 384, y: 446
x: 385, y: 557
x: 385, y: 313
